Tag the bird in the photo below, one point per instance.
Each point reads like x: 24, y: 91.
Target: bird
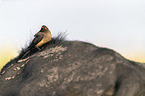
x: 41, y: 38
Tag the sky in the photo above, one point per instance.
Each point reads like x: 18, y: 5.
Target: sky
x: 115, y: 24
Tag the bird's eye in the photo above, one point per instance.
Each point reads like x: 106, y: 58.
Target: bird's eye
x: 42, y: 27
x: 45, y: 28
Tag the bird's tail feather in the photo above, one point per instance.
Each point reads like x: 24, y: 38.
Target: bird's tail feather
x: 28, y: 51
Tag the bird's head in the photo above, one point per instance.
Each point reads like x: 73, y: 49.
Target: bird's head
x: 44, y: 29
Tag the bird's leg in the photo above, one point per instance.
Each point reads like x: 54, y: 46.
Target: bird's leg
x: 39, y: 48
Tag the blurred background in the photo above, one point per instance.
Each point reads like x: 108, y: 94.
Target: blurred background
x: 116, y: 24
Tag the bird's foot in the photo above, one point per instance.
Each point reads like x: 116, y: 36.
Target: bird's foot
x: 40, y: 49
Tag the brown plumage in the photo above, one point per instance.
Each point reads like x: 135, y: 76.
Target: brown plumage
x: 41, y: 38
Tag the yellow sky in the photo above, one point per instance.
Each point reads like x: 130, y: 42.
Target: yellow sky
x: 134, y: 53
x: 138, y: 57
x: 7, y: 53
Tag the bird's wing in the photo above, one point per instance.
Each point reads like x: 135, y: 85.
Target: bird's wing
x: 38, y: 37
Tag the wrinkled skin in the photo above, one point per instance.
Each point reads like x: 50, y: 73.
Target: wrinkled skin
x: 73, y: 68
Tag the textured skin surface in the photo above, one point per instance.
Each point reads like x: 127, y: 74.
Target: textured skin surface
x: 73, y: 68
